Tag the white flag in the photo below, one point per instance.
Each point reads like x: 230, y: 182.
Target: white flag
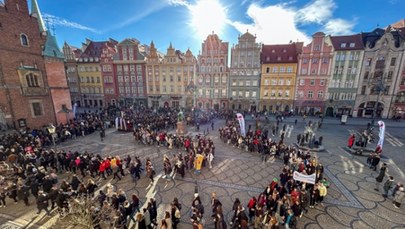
x: 241, y: 124
x: 380, y: 143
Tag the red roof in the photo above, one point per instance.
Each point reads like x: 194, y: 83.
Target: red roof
x: 94, y: 49
x: 280, y: 53
x: 351, y: 42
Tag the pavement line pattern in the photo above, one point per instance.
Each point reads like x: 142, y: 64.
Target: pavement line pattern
x: 393, y: 140
x: 353, y: 202
x: 223, y: 185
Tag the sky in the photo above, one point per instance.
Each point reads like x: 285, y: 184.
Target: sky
x: 187, y: 23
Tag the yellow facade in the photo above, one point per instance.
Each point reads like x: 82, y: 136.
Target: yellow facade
x: 277, y: 87
x: 91, y: 83
x: 168, y: 77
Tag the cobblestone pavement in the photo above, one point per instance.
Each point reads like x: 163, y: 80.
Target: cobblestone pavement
x: 351, y: 201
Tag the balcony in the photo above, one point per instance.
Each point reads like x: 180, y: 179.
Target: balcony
x: 34, y: 91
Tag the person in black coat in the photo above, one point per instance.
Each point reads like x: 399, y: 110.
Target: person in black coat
x: 34, y: 186
x: 75, y: 182
x: 47, y: 184
x: 42, y: 203
x: 53, y: 195
x: 12, y: 192
x: 23, y: 194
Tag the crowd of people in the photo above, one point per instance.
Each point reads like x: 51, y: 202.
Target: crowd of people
x: 52, y: 179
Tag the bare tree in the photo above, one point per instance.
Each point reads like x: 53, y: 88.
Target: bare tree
x: 83, y: 213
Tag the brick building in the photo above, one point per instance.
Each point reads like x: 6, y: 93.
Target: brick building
x: 25, y: 98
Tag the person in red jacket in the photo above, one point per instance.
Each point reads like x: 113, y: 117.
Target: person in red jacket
x: 350, y: 142
x: 101, y: 169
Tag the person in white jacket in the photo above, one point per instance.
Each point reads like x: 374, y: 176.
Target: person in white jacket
x: 210, y: 157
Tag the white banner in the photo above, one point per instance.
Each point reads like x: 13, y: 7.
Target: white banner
x: 310, y: 179
x: 74, y: 109
x: 241, y: 124
x: 380, y: 143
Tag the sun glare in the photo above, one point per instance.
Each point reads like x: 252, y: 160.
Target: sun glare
x: 207, y: 16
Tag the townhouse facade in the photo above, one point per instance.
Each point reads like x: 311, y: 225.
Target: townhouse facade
x: 213, y: 74
x: 278, y: 77
x: 313, y: 75
x: 380, y: 73
x: 345, y: 74
x: 244, y: 74
x: 168, y: 77
x: 90, y: 75
x: 72, y: 55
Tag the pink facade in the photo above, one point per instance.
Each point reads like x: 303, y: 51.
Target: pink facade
x: 314, y: 66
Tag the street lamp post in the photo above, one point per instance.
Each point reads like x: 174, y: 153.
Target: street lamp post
x: 380, y: 86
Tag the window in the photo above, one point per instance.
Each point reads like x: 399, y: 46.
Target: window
x: 266, y: 82
x: 233, y: 82
x: 389, y: 76
x: 320, y: 94
x: 312, y: 82
x: 254, y: 94
x: 36, y: 109
x: 247, y: 94
x: 280, y: 93
x: 324, y: 60
x: 267, y: 70
x: 322, y: 82
x: 302, y: 82
x: 305, y: 61
x: 304, y: 71
x: 247, y: 82
x: 32, y: 80
x: 317, y: 47
x: 233, y: 93
x: 343, y: 45
x: 366, y: 75
x: 289, y: 69
x: 275, y: 69
x: 310, y: 94
x: 352, y: 45
x: 24, y: 40
x: 282, y: 69
x: 254, y: 83
x: 315, y: 60
x: 287, y: 93
x: 393, y: 60
x: 368, y: 62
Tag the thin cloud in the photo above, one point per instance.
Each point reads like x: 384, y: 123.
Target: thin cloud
x: 55, y: 20
x: 178, y: 2
x: 272, y: 24
x: 317, y: 11
x: 278, y: 23
x: 339, y: 26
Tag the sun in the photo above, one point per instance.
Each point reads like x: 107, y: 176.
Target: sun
x: 207, y: 16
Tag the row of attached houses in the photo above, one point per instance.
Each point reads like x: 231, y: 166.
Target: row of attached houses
x: 359, y: 75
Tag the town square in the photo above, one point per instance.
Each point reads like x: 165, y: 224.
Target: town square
x: 194, y: 114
